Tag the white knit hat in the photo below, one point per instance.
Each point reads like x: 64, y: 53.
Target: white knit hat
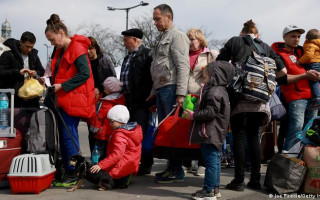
x: 112, y: 84
x: 119, y: 113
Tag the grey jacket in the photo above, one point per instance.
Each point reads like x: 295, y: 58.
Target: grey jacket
x: 170, y: 65
x: 211, y: 119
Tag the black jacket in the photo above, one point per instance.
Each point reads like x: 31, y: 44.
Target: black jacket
x: 10, y: 65
x: 104, y: 70
x: 140, y: 81
x: 211, y: 119
x: 238, y: 48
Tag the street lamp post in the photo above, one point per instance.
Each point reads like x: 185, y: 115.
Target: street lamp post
x: 47, y: 51
x: 127, y: 10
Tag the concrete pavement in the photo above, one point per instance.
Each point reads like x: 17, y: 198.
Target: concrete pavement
x: 142, y: 187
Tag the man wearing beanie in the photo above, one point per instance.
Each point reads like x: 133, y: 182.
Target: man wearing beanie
x: 99, y: 126
x: 137, y: 83
x: 124, y: 148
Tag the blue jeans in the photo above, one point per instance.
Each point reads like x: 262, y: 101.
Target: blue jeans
x: 314, y: 84
x: 67, y: 146
x: 211, y: 156
x: 299, y: 116
x: 166, y: 98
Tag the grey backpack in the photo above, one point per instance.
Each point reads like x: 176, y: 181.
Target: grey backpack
x: 43, y: 136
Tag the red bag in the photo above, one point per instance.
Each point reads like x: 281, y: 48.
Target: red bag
x: 172, y: 140
x: 174, y: 132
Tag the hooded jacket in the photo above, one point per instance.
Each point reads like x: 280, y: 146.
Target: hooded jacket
x: 100, y: 124
x: 311, y: 50
x: 123, y: 151
x: 78, y: 102
x: 10, y: 65
x: 211, y: 119
x: 300, y: 89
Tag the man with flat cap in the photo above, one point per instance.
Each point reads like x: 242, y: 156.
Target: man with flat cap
x: 137, y: 84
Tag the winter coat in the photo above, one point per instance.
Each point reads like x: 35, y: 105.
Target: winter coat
x: 300, y: 89
x: 100, y: 124
x: 195, y: 75
x: 311, y: 50
x: 11, y: 63
x: 170, y: 64
x: 140, y: 81
x: 78, y: 102
x: 124, y: 151
x: 211, y: 119
x: 105, y: 69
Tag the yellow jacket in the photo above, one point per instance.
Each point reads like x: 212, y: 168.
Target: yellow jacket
x: 311, y: 50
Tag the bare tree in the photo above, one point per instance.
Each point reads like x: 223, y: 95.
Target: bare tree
x: 110, y: 43
x: 150, y: 32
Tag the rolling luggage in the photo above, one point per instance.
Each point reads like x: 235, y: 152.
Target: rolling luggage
x: 10, y: 144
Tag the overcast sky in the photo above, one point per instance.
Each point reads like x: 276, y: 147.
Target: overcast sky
x: 224, y: 18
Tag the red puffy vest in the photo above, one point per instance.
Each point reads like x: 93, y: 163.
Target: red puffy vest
x: 78, y: 102
x: 297, y: 90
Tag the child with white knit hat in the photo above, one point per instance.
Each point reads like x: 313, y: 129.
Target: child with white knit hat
x: 100, y: 129
x: 124, y: 148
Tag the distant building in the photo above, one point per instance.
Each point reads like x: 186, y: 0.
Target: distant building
x: 6, y: 30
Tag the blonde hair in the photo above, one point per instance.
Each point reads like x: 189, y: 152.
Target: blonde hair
x: 197, y: 34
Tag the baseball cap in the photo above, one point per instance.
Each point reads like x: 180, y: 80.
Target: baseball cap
x: 291, y: 28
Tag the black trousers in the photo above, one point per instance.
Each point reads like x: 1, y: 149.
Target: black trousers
x: 246, y: 124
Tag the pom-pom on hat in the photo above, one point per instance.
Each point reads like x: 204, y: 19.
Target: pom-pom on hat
x: 112, y: 84
x: 119, y: 113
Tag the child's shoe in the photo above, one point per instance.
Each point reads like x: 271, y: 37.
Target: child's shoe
x: 203, y: 195
x: 217, y: 193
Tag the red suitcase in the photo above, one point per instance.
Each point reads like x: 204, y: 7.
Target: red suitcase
x: 10, y: 143
x: 9, y: 148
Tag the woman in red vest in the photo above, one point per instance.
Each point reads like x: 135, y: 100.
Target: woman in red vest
x: 73, y: 85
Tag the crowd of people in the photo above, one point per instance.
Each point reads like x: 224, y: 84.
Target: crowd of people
x: 117, y: 110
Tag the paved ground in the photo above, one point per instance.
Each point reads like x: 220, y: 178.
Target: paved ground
x: 140, y: 187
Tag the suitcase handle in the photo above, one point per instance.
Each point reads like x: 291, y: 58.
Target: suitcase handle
x: 12, y: 132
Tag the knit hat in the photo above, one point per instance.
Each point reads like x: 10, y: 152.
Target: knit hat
x: 112, y: 84
x: 119, y: 113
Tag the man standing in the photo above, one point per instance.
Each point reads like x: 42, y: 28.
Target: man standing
x: 137, y: 84
x: 170, y: 74
x: 297, y: 91
x: 21, y: 59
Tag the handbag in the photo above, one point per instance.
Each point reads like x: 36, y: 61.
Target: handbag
x: 148, y: 138
x: 172, y: 139
x: 285, y: 174
x: 311, y: 157
x: 276, y: 108
x: 31, y: 88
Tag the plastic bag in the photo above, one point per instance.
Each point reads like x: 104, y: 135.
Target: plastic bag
x: 30, y: 89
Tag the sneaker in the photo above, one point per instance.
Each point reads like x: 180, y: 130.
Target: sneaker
x: 217, y: 193
x: 254, y: 185
x: 170, y: 177
x: 224, y: 163
x: 67, y: 181
x: 201, y: 171
x: 203, y: 195
x: 236, y: 186
x: 315, y: 104
x: 231, y: 163
x: 69, y: 178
